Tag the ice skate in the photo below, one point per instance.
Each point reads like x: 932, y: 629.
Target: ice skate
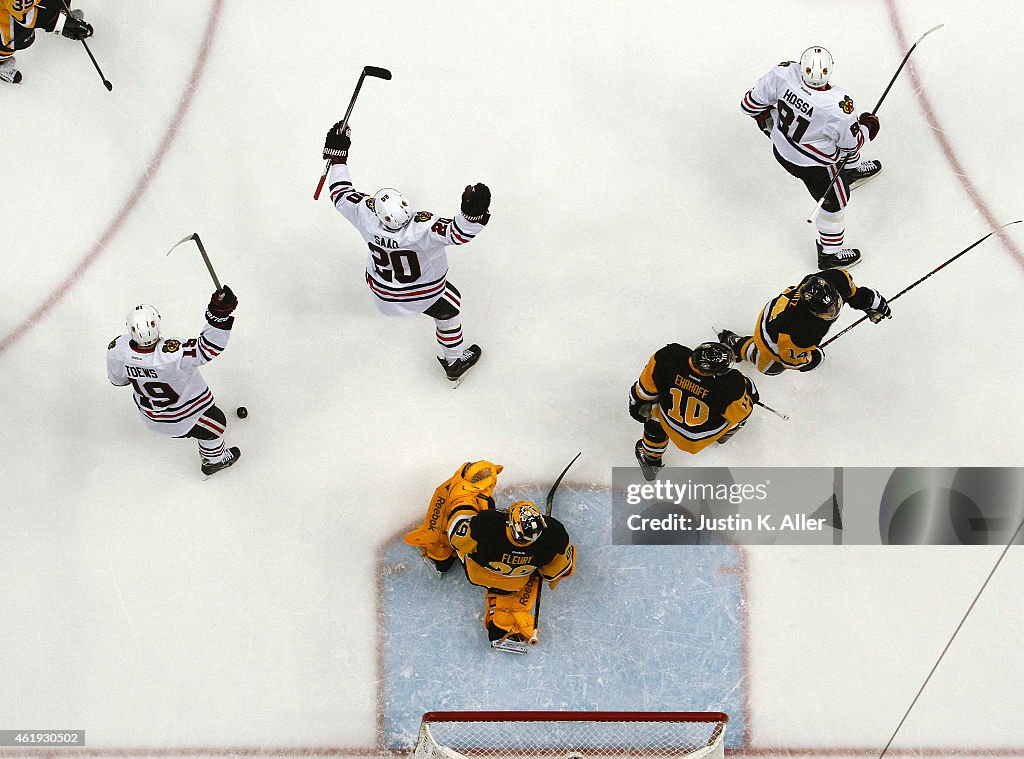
x: 461, y: 365
x: 648, y: 466
x: 501, y: 640
x: 857, y: 175
x: 9, y: 71
x: 209, y: 469
x: 438, y: 568
x: 838, y: 258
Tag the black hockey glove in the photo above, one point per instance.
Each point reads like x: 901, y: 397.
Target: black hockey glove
x: 336, y: 144
x: 476, y: 199
x: 75, y: 27
x: 764, y: 122
x: 222, y: 304
x: 640, y: 411
x: 879, y: 309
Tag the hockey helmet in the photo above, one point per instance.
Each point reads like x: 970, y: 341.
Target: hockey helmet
x: 816, y: 66
x: 392, y: 208
x: 144, y: 325
x: 712, y: 359
x: 525, y: 522
x: 822, y: 298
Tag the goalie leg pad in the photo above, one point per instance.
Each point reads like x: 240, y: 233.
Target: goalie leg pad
x: 511, y: 614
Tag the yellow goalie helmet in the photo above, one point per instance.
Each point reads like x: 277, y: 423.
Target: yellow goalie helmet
x: 525, y: 522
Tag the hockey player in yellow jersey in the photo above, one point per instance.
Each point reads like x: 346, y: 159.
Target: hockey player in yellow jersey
x: 510, y: 554
x: 465, y: 493
x: 505, y: 552
x: 19, y: 20
x: 691, y: 397
x: 793, y: 323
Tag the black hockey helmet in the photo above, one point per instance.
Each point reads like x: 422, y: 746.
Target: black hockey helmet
x: 822, y: 298
x: 712, y: 359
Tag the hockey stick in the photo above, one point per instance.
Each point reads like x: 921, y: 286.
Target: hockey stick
x: 922, y: 279
x: 202, y: 251
x: 374, y: 71
x: 548, y: 503
x: 842, y: 165
x: 769, y: 408
x: 106, y: 82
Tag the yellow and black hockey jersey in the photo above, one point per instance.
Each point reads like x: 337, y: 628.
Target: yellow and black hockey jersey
x: 787, y: 330
x: 493, y: 560
x: 19, y: 17
x: 694, y: 409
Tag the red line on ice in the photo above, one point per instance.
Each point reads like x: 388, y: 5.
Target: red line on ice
x: 141, y: 185
x: 944, y: 145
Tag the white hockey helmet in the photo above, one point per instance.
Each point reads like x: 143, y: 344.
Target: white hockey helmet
x: 392, y: 208
x: 816, y: 66
x: 144, y: 325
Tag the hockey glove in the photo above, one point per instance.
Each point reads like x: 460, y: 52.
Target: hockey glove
x: 870, y: 122
x: 222, y: 303
x: 879, y: 309
x: 640, y: 411
x: 336, y: 144
x: 75, y: 27
x: 476, y: 199
x: 764, y: 122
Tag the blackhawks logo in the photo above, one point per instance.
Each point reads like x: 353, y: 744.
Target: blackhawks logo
x: 171, y: 346
x: 846, y: 104
x: 424, y: 216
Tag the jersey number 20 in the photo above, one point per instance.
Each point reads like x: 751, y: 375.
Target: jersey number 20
x: 400, y: 266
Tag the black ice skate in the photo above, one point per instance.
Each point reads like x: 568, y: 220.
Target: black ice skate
x: 510, y: 643
x: 438, y: 567
x: 648, y: 466
x: 209, y: 469
x: 462, y: 364
x: 840, y: 258
x: 857, y: 175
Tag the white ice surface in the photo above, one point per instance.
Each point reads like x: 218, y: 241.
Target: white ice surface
x: 633, y: 205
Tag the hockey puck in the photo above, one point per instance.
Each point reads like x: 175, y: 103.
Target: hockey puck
x: 241, y: 412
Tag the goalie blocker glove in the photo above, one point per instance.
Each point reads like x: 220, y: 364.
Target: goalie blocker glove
x: 336, y: 144
x: 222, y: 304
x: 476, y: 201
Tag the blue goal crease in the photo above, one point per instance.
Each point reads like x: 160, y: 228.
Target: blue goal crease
x: 636, y: 628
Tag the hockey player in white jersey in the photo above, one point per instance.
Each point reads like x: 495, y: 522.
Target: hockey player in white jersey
x: 813, y: 128
x: 407, y: 265
x: 170, y: 393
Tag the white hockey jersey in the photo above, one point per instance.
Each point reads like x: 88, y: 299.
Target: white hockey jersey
x: 169, y: 391
x: 406, y: 270
x: 812, y: 127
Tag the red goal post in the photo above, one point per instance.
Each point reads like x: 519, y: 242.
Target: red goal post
x: 571, y: 735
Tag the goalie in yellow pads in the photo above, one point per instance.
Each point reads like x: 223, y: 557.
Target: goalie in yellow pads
x: 508, y: 553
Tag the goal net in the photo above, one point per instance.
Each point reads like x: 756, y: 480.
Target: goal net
x: 571, y: 735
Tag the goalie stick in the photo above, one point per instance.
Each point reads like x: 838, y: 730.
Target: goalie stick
x: 842, y: 165
x: 549, y: 502
x: 374, y: 71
